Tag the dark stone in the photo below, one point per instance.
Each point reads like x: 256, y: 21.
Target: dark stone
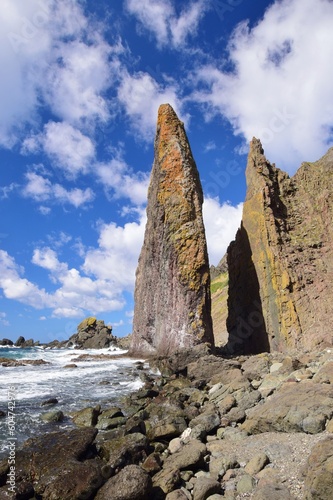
x: 20, y: 341
x: 49, y: 402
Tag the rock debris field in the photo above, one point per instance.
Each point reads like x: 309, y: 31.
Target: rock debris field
x: 202, y: 427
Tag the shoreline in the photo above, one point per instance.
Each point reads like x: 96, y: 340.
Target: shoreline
x: 200, y: 424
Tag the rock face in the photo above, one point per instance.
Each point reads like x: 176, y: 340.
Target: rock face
x: 172, y: 294
x: 281, y: 263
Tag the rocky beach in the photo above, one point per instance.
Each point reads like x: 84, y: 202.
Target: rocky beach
x: 206, y: 427
x: 234, y: 363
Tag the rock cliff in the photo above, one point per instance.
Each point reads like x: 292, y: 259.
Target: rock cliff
x: 172, y: 291
x: 281, y: 262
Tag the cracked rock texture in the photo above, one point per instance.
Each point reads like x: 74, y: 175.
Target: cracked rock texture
x: 172, y: 291
x: 281, y: 262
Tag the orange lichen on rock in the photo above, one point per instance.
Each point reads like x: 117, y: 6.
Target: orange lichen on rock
x: 172, y: 293
x: 282, y: 258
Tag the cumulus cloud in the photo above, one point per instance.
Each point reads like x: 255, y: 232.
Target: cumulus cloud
x: 3, y: 319
x: 53, y: 57
x: 75, y: 295
x: 221, y: 223
x: 98, y: 286
x: 16, y: 287
x: 67, y: 147
x: 279, y: 88
x: 141, y: 97
x: 160, y: 18
x: 41, y: 189
x: 116, y: 258
x: 117, y: 176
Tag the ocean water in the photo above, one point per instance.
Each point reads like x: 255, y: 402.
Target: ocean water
x: 95, y: 381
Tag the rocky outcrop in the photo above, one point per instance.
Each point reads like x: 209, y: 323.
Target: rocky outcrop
x: 172, y: 295
x: 281, y: 263
x: 92, y: 334
x: 6, y: 342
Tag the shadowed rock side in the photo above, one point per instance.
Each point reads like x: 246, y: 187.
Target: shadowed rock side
x: 172, y: 292
x: 281, y: 263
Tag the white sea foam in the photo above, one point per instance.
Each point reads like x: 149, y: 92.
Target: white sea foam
x: 94, y: 381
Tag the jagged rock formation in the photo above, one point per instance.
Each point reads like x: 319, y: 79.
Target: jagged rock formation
x: 219, y: 292
x: 281, y: 263
x: 221, y: 268
x: 172, y: 295
x: 92, y: 334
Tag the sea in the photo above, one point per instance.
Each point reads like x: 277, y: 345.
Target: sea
x: 23, y: 389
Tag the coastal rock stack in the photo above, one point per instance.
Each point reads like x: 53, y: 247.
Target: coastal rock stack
x: 172, y: 292
x: 281, y: 262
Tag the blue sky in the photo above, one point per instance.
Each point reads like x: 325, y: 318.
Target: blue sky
x: 80, y: 87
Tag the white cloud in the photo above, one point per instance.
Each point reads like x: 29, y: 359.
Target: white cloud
x: 18, y: 288
x: 280, y: 89
x: 124, y: 183
x: 41, y: 189
x: 160, y: 18
x: 3, y: 319
x: 107, y: 272
x: 141, y: 97
x: 44, y: 210
x: 52, y: 56
x: 77, y: 79
x: 221, y: 223
x: 47, y: 259
x: 116, y: 258
x: 68, y: 148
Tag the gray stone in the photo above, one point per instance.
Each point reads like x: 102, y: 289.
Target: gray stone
x: 245, y: 484
x: 86, y: 417
x: 188, y: 457
x: 53, y: 416
x: 256, y: 464
x: 204, y: 487
x: 131, y: 483
x: 319, y: 471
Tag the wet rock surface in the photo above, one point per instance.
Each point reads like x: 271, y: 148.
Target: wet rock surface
x: 199, y: 432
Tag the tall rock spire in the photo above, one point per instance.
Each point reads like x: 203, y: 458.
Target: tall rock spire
x: 172, y: 291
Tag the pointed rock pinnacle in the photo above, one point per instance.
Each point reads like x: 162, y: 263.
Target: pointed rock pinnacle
x: 172, y: 291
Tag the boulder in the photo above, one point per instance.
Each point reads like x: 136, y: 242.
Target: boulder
x: 295, y: 407
x: 87, y: 417
x: 131, y: 483
x: 6, y: 342
x: 319, y: 471
x: 204, y: 487
x: 52, y: 416
x: 124, y: 450
x: 59, y: 469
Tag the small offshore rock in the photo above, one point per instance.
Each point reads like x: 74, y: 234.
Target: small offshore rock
x: 53, y: 416
x: 49, y: 402
x: 86, y: 417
